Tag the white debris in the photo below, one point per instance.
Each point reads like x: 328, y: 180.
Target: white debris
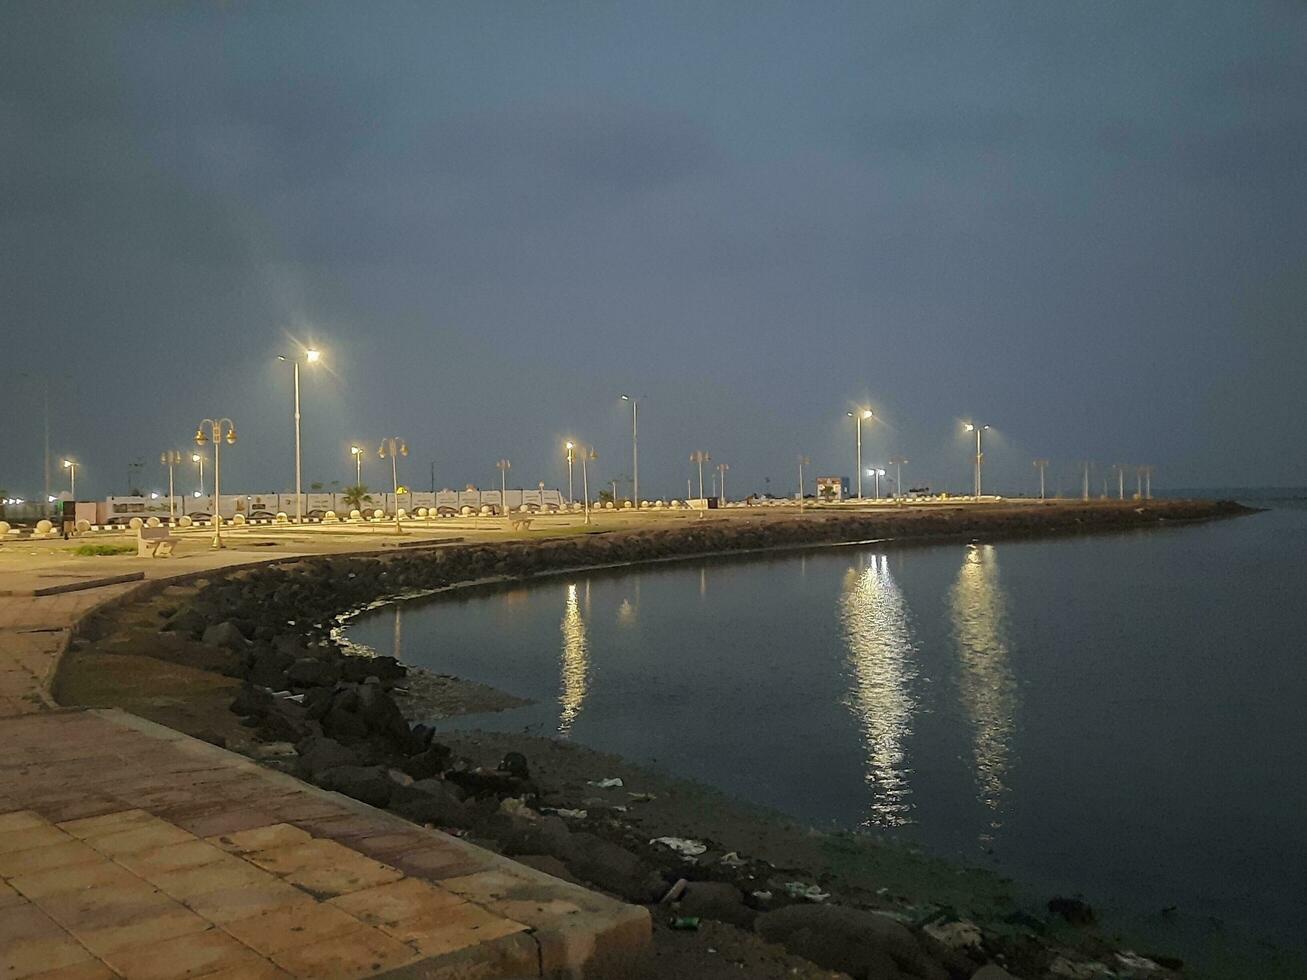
x: 956, y: 935
x: 733, y: 860
x: 517, y: 808
x: 607, y: 783
x: 762, y: 896
x: 1133, y: 961
x: 797, y: 889
x: 682, y: 845
x: 566, y: 813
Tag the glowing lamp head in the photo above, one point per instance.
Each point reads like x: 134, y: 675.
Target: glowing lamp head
x: 231, y: 436
x: 312, y: 356
x: 68, y: 463
x: 354, y: 450
x: 195, y: 457
x: 866, y: 413
x: 200, y: 438
x: 968, y: 427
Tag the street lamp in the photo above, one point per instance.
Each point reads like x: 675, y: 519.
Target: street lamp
x: 977, y: 428
x: 571, y: 454
x: 198, y: 460
x: 71, y: 467
x: 223, y: 428
x: 860, y: 415
x: 394, y: 447
x: 897, y: 462
x: 587, y: 454
x: 503, y: 466
x: 803, y: 461
x: 635, y: 447
x: 170, y: 459
x: 357, y: 453
x: 1041, y: 464
x: 877, y: 473
x: 722, y: 468
x: 1120, y: 480
x: 311, y: 356
x: 700, y: 457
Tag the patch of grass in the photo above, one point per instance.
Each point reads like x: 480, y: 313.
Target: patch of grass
x: 96, y: 550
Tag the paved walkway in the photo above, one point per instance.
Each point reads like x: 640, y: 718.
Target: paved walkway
x: 131, y: 850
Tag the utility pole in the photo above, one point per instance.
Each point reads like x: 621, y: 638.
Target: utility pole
x: 722, y: 468
x: 1085, y: 494
x: 700, y: 457
x: 1040, y: 464
x: 803, y: 461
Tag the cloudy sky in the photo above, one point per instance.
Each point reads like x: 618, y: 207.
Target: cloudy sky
x: 1083, y: 223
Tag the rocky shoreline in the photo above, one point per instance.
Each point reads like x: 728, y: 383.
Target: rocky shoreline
x: 260, y: 644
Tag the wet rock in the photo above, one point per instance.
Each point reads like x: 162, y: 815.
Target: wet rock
x: 311, y: 672
x: 369, y: 784
x: 514, y: 763
x: 428, y: 763
x: 381, y: 714
x: 225, y: 635
x: 1073, y: 910
x: 318, y: 752
x: 548, y: 835
x: 718, y: 900
x: 431, y: 801
x: 284, y: 721
x: 862, y: 944
x: 251, y: 702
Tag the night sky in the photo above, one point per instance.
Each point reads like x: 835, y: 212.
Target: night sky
x: 1082, y: 223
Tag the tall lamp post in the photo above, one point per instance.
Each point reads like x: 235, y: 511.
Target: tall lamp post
x: 1120, y: 480
x: 170, y: 459
x: 722, y: 468
x: 394, y: 447
x: 503, y: 466
x: 860, y: 415
x: 71, y: 466
x: 897, y: 462
x: 877, y: 472
x: 980, y: 456
x: 198, y: 460
x: 1041, y: 465
x: 803, y: 461
x: 635, y: 447
x: 357, y: 453
x: 571, y: 455
x: 311, y: 356
x: 219, y: 430
x: 700, y: 457
x: 587, y: 454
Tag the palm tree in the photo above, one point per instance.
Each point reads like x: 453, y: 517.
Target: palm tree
x: 357, y: 496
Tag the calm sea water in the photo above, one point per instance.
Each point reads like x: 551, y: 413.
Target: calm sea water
x: 1124, y: 716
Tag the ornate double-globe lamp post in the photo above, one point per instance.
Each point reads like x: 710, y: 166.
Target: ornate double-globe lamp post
x: 218, y: 431
x: 394, y: 447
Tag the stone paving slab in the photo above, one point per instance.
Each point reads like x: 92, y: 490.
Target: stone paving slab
x: 130, y: 850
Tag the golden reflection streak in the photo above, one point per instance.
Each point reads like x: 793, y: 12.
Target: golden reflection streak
x: 397, y: 645
x: 876, y: 631
x: 978, y: 606
x: 575, y: 663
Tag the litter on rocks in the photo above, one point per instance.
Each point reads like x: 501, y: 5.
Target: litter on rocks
x: 607, y: 783
x: 685, y: 922
x: 733, y: 860
x: 762, y: 896
x: 642, y: 797
x: 518, y: 808
x: 797, y: 889
x: 566, y: 813
x: 682, y: 845
x: 675, y: 892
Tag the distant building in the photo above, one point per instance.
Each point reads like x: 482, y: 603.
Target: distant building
x: 832, y: 488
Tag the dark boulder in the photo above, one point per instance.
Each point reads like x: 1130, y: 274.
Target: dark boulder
x: 615, y: 869
x: 186, y: 621
x: 717, y: 900
x: 226, y: 635
x: 311, y: 672
x: 387, y: 670
x: 381, y: 714
x: 488, y: 782
x: 431, y: 801
x: 251, y: 701
x: 514, y: 763
x: 862, y: 944
x: 432, y: 761
x: 369, y: 784
x: 318, y: 752
x: 1073, y: 910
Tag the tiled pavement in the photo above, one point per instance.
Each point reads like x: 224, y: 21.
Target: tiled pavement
x: 127, y: 849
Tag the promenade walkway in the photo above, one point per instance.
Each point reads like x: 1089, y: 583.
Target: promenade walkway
x: 131, y: 850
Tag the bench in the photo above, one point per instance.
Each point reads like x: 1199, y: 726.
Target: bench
x: 520, y: 523
x: 154, y: 542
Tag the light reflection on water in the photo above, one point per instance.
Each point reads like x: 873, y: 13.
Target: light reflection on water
x: 978, y: 607
x: 575, y: 662
x: 882, y: 664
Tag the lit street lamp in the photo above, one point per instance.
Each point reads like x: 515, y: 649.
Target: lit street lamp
x: 877, y: 473
x: 803, y: 461
x: 503, y: 466
x: 980, y: 456
x: 311, y: 356
x: 860, y: 415
x: 571, y: 454
x: 394, y: 447
x: 221, y: 429
x: 635, y: 447
x: 198, y: 460
x: 357, y: 453
x: 1041, y: 464
x: 170, y: 459
x: 71, y: 467
x: 700, y: 457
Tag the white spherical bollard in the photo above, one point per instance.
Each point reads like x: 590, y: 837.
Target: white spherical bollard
x: 184, y: 521
x: 356, y: 515
x: 135, y: 524
x: 152, y: 522
x: 486, y: 510
x: 402, y: 514
x: 378, y: 515
x: 43, y: 527
x: 423, y: 512
x: 627, y: 505
x: 4, y: 528
x: 465, y: 510
x: 83, y: 525
x: 329, y: 515
x: 659, y: 505
x: 238, y: 520
x: 282, y: 518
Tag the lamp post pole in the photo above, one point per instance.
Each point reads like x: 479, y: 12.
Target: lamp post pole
x: 311, y: 356
x: 977, y: 428
x: 803, y: 461
x: 219, y: 429
x: 71, y: 467
x: 1085, y: 490
x: 700, y: 457
x: 170, y: 459
x: 393, y: 447
x: 357, y: 453
x: 587, y: 454
x: 722, y: 468
x: 1120, y: 480
x: 571, y: 454
x: 862, y: 413
x: 898, y: 462
x: 635, y: 447
x: 1040, y: 464
x: 503, y: 466
x: 198, y: 460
